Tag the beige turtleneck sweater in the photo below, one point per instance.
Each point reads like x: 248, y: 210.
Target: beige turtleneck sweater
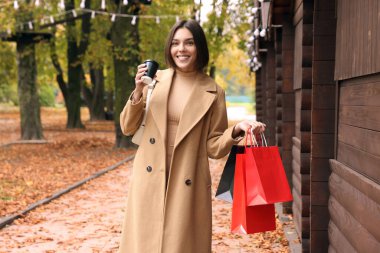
x: 180, y: 90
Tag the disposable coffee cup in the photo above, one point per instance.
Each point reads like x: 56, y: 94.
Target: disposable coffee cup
x: 150, y: 72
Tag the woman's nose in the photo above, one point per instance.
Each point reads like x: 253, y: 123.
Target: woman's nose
x: 181, y: 47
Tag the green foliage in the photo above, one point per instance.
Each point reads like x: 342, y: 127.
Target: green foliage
x: 8, y: 73
x: 153, y: 35
x: 47, y: 95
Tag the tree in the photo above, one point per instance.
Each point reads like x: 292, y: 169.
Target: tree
x: 31, y: 127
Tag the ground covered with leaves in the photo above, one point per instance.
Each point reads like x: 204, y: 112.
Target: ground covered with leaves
x: 31, y: 172
x: 89, y: 218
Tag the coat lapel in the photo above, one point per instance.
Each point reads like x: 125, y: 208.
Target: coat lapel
x: 159, y: 100
x: 198, y: 103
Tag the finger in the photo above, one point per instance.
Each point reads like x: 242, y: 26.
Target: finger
x: 141, y: 66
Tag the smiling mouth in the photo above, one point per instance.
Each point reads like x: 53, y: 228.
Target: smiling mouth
x: 183, y: 57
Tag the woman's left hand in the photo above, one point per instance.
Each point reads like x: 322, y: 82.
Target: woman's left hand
x: 256, y: 126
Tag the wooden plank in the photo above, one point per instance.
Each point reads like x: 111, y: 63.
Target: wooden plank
x: 305, y: 125
x: 323, y: 72
x: 301, y: 202
x: 324, y: 97
x: 307, y: 78
x: 323, y: 145
x: 363, y: 139
x: 288, y: 132
x: 298, y: 13
x: 324, y: 48
x: 319, y: 241
x: 338, y: 242
x: 326, y: 23
x: 301, y: 161
x: 297, y: 217
x: 320, y: 169
x: 367, y: 94
x: 323, y: 121
x: 359, y: 237
x: 377, y: 38
x: 360, y: 161
x: 320, y: 218
x: 363, y: 209
x: 360, y: 116
x: 306, y: 144
x: 319, y: 193
x: 363, y: 184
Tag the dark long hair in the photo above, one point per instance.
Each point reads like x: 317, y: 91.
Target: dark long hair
x: 199, y: 40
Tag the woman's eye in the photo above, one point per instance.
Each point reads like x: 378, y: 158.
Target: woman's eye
x: 190, y: 43
x: 174, y: 43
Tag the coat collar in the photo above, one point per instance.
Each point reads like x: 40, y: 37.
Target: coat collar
x: 199, y: 102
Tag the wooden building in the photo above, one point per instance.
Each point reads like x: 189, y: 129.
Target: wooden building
x: 318, y: 91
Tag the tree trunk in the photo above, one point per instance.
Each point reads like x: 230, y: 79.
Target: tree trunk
x: 94, y: 97
x: 75, y: 54
x: 124, y: 66
x: 31, y: 128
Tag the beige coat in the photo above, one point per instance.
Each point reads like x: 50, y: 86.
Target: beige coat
x: 177, y: 220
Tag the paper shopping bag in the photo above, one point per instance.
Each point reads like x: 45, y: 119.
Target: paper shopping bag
x: 226, y: 184
x: 265, y: 176
x: 248, y: 219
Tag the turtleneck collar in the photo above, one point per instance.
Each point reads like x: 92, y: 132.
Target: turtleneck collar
x: 186, y: 74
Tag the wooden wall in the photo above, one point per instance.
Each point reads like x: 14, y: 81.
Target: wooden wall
x: 303, y: 23
x: 287, y: 96
x: 322, y: 121
x: 358, y: 36
x: 270, y: 94
x: 355, y: 182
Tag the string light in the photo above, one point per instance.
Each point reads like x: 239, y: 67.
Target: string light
x: 30, y: 24
x: 254, y: 10
x: 125, y: 2
x: 61, y: 5
x: 103, y: 5
x: 262, y: 33
x: 37, y: 3
x: 256, y: 32
x: 51, y: 19
x: 133, y: 20
x: 15, y: 5
x: 157, y: 20
x: 74, y: 13
x: 93, y: 14
x: 113, y: 18
x: 82, y: 4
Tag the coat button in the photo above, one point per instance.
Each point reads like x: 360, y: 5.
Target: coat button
x: 149, y: 169
x: 152, y: 140
x: 188, y: 182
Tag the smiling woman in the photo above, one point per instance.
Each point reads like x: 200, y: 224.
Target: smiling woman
x: 169, y: 205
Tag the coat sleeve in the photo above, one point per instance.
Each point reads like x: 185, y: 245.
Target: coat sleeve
x: 132, y: 115
x: 219, y: 139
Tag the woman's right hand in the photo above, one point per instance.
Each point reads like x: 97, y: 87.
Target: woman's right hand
x: 141, y: 69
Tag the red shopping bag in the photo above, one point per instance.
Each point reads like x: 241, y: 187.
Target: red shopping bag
x: 248, y: 219
x: 265, y: 176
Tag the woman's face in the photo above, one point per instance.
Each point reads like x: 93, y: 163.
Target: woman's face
x: 183, y: 50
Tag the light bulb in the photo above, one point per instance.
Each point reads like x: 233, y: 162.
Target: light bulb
x: 133, y: 20
x: 261, y: 1
x: 254, y: 10
x: 262, y: 33
x: 125, y: 2
x: 93, y: 14
x: 82, y: 4
x: 15, y: 5
x: 253, y: 53
x: 255, y: 59
x: 103, y: 5
x: 51, y: 19
x: 113, y: 18
x: 251, y: 39
x: 74, y: 13
x: 256, y: 32
x: 30, y: 24
x: 61, y: 5
x: 157, y: 19
x: 37, y: 3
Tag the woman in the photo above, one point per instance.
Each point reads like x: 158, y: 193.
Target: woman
x: 169, y: 204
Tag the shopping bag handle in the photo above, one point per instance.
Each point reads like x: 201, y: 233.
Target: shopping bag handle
x: 263, y: 140
x: 249, y: 135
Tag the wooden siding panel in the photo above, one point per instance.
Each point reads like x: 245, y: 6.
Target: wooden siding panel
x: 363, y: 139
x: 338, y: 242
x: 363, y: 209
x: 323, y: 121
x: 361, y: 94
x: 361, y: 116
x: 359, y: 237
x: 370, y: 188
x: 360, y: 161
x: 324, y: 97
x: 357, y: 41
